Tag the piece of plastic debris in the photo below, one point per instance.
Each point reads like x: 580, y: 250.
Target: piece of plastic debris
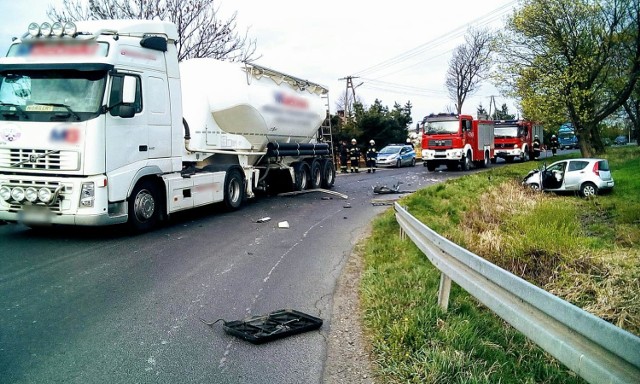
x: 283, y: 224
x: 274, y: 325
x: 263, y: 220
x: 347, y: 206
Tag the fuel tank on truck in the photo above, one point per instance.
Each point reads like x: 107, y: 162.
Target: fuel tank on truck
x: 241, y: 106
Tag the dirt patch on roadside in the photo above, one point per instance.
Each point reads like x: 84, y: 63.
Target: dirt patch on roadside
x: 348, y: 360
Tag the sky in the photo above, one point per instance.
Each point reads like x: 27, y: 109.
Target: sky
x: 395, y: 52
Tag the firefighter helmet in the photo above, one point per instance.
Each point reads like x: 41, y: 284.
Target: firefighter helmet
x: 372, y: 142
x: 353, y: 141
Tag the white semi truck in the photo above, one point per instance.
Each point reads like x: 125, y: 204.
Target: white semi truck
x: 100, y: 125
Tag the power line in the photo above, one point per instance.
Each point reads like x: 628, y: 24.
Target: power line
x: 485, y: 19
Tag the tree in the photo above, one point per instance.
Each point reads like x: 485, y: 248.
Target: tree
x: 378, y: 123
x: 469, y: 65
x: 632, y: 108
x: 481, y: 112
x: 503, y: 113
x: 575, y: 60
x: 200, y: 32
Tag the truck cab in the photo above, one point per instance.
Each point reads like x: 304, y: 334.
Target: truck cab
x: 514, y: 139
x: 457, y: 141
x: 87, y: 110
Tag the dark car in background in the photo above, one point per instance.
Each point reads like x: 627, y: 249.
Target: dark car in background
x: 620, y: 140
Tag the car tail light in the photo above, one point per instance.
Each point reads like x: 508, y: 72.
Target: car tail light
x: 596, y: 169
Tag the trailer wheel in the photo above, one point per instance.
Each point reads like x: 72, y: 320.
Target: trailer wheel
x: 144, y: 206
x: 328, y: 174
x: 316, y: 174
x: 233, y: 190
x: 301, y: 173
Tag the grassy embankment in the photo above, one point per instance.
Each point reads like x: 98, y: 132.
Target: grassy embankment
x: 586, y: 251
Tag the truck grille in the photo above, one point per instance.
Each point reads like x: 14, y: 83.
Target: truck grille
x: 40, y: 159
x: 55, y: 206
x: 440, y: 143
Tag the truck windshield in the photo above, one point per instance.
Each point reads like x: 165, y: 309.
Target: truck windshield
x: 503, y: 132
x: 450, y: 126
x: 52, y: 95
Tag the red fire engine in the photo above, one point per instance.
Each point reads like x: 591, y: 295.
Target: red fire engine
x: 514, y: 138
x: 456, y: 141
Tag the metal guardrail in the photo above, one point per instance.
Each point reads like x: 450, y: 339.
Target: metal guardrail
x: 594, y: 349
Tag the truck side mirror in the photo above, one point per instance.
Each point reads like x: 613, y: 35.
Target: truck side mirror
x: 129, y: 90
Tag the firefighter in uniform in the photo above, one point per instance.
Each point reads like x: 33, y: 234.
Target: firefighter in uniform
x: 354, y: 156
x: 554, y: 144
x: 372, y: 154
x: 344, y: 156
x: 536, y: 147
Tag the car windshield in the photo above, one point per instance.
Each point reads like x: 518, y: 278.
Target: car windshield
x: 390, y: 150
x: 51, y: 94
x: 450, y: 126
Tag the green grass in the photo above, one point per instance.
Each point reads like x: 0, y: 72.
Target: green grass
x: 584, y: 250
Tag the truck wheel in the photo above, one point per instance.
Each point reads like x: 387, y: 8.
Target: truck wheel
x: 144, y: 206
x: 233, y: 190
x: 525, y: 155
x: 301, y: 172
x: 430, y: 166
x: 466, y: 162
x: 328, y: 174
x: 487, y: 160
x: 316, y: 174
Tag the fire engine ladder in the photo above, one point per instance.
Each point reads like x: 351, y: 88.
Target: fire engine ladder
x: 324, y: 132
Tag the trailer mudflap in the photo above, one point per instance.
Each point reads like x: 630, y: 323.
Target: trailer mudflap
x: 272, y: 326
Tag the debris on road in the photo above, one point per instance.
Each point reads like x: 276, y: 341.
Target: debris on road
x: 383, y: 201
x: 274, y: 325
x: 263, y: 220
x: 283, y: 224
x: 294, y: 193
x: 383, y: 189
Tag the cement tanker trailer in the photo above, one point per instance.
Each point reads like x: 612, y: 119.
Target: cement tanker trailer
x: 264, y: 117
x: 100, y: 125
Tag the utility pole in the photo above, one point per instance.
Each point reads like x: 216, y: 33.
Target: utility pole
x: 493, y: 102
x: 347, y: 104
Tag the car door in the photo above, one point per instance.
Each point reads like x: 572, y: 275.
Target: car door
x: 575, y: 174
x: 553, y: 176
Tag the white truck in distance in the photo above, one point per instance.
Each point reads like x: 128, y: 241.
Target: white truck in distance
x: 100, y: 125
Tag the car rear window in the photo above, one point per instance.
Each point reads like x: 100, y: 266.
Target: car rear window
x: 603, y: 165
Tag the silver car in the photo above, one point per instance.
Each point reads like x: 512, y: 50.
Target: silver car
x: 587, y: 176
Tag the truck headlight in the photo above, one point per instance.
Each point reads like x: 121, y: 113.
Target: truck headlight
x: 44, y: 194
x: 31, y: 194
x: 87, y: 194
x: 17, y: 194
x: 5, y: 193
x: 515, y: 146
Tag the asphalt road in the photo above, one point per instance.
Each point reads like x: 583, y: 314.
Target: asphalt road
x: 94, y: 305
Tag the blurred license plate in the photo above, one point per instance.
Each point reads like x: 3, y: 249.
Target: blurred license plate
x: 36, y: 214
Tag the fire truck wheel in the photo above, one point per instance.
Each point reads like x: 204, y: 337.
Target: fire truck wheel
x: 144, y: 206
x: 487, y: 160
x: 525, y: 155
x: 466, y: 162
x: 316, y: 174
x: 301, y: 172
x: 233, y: 190
x: 430, y: 166
x: 328, y: 174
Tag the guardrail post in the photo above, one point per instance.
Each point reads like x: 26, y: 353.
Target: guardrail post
x: 403, y: 234
x: 443, y: 292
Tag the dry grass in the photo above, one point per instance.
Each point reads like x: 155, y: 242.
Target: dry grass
x: 506, y: 228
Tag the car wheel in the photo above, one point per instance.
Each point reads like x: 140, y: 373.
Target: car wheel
x: 534, y: 186
x: 399, y: 163
x: 588, y: 189
x: 413, y: 162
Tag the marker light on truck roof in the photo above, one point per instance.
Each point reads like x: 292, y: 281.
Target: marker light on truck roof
x: 57, y: 29
x: 34, y: 29
x: 70, y: 29
x: 45, y: 29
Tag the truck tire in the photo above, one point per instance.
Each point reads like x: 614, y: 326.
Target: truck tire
x: 301, y: 173
x: 430, y: 166
x: 316, y: 174
x: 525, y: 155
x: 144, y: 206
x: 486, y: 161
x: 328, y: 174
x: 233, y: 190
x: 466, y: 162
